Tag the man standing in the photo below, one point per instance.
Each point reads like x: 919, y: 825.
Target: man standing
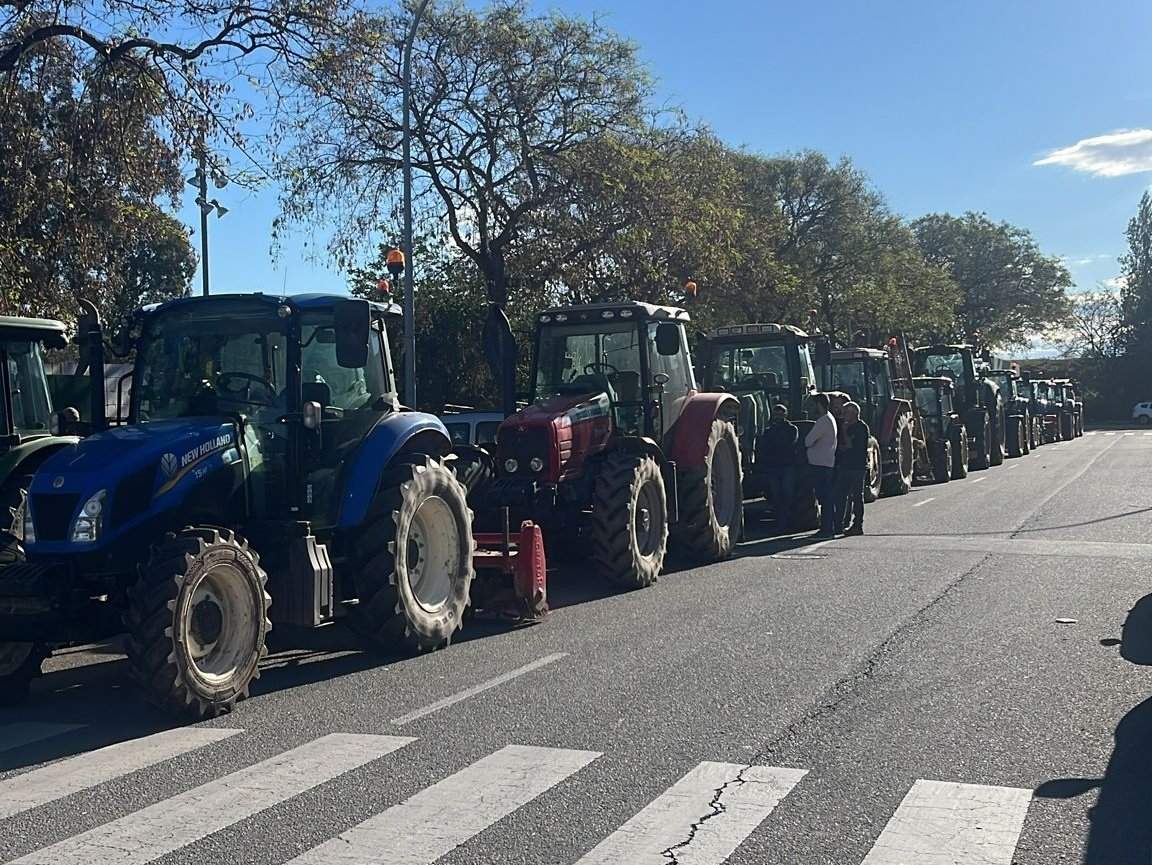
x: 821, y: 445
x: 852, y: 471
x: 777, y: 453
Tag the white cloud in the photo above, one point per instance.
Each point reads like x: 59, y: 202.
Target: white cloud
x: 1115, y: 283
x: 1086, y: 260
x: 1126, y: 151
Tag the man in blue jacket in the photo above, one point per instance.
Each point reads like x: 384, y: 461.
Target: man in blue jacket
x: 777, y: 454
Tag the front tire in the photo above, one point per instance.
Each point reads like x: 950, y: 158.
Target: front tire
x: 942, y: 465
x: 628, y: 528
x: 712, y: 499
x: 414, y: 555
x: 1015, y: 436
x: 197, y: 623
x: 960, y: 455
x: 901, y: 482
x: 997, y: 440
x: 1066, y: 430
x: 875, y: 477
x: 981, y: 457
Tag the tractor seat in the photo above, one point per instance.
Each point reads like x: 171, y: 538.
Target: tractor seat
x: 627, y: 386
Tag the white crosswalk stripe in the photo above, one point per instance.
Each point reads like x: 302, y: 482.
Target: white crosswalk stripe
x: 174, y: 823
x: 55, y: 781
x: 961, y: 824
x: 666, y: 825
x: 26, y: 733
x: 442, y: 817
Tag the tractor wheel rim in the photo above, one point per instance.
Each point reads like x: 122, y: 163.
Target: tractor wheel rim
x: 432, y: 553
x: 873, y: 467
x: 13, y: 656
x: 722, y: 484
x: 220, y: 630
x: 645, y: 523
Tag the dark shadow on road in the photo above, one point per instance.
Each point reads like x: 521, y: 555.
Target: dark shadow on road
x: 1121, y: 820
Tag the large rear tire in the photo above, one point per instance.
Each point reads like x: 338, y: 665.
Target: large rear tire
x: 960, y: 455
x: 980, y: 458
x: 414, y: 557
x: 628, y: 528
x: 875, y: 477
x: 197, y: 623
x: 942, y: 464
x: 712, y: 499
x: 900, y: 482
x: 1015, y: 436
x: 1066, y: 427
x: 997, y: 442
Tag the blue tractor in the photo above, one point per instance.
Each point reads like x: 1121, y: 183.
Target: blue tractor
x: 264, y: 471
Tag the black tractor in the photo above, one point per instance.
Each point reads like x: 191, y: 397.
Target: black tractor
x: 978, y: 400
x: 1018, y: 424
x: 944, y: 430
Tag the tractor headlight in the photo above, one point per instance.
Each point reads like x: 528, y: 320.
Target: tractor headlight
x: 86, y: 528
x: 511, y: 466
x: 22, y: 522
x: 536, y: 464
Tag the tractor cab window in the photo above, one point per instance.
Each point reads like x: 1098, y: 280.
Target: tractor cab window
x: 927, y: 402
x: 29, y: 389
x: 849, y: 377
x: 806, y: 370
x: 678, y: 368
x: 944, y: 364
x: 746, y: 368
x: 323, y: 380
x: 1025, y: 388
x: 880, y: 385
x: 190, y: 365
x: 591, y: 358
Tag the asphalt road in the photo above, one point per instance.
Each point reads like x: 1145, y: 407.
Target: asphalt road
x: 963, y: 684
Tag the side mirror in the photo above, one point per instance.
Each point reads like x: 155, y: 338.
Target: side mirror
x: 822, y: 352
x: 353, y: 319
x: 661, y: 379
x: 667, y: 339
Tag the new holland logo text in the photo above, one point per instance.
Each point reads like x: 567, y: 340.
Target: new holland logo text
x: 205, y: 448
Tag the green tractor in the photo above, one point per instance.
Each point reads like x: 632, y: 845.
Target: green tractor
x: 26, y: 426
x: 944, y: 430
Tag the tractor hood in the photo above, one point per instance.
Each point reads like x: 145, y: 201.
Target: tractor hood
x: 173, y: 445
x: 574, y: 406
x: 132, y: 474
x: 559, y: 432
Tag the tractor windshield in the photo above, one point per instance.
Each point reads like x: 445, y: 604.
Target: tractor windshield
x: 849, y: 377
x: 1025, y: 388
x: 927, y: 402
x: 30, y: 406
x: 752, y: 367
x: 948, y: 364
x: 193, y: 364
x: 590, y: 358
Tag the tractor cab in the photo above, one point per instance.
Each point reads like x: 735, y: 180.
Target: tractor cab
x: 977, y: 399
x: 26, y: 406
x: 944, y: 432
x: 863, y: 374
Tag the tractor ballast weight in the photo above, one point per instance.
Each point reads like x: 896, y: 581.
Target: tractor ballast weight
x: 763, y: 364
x: 265, y: 456
x: 977, y: 400
x: 618, y: 446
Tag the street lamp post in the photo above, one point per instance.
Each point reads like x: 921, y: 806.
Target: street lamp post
x: 200, y: 181
x: 409, y: 299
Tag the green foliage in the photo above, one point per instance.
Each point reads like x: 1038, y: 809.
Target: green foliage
x: 1008, y: 287
x: 1136, y: 264
x: 83, y: 175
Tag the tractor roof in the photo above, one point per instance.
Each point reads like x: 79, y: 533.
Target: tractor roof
x: 858, y: 354
x: 756, y: 329
x: 933, y: 381
x: 941, y: 347
x: 1011, y: 373
x: 45, y: 330
x: 315, y: 300
x: 623, y: 309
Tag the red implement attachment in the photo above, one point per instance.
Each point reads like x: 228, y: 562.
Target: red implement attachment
x: 512, y: 572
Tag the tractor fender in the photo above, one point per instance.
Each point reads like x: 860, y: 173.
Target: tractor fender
x: 25, y: 458
x: 397, y: 433
x: 690, y: 433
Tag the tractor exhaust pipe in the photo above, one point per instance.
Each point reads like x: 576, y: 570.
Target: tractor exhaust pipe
x: 90, y: 338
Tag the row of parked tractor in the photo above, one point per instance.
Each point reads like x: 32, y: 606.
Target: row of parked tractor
x: 259, y: 469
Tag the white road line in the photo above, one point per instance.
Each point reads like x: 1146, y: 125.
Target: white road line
x: 1107, y: 434
x: 40, y: 786
x: 1129, y: 434
x: 978, y: 480
x: 665, y: 823
x: 173, y: 823
x: 1148, y: 433
x: 479, y: 689
x: 923, y: 502
x: 962, y: 824
x: 440, y: 818
x: 1013, y: 466
x: 26, y: 732
x: 1089, y: 433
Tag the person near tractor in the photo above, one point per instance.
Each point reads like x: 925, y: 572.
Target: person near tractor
x: 778, y: 455
x: 821, y: 445
x: 851, y: 472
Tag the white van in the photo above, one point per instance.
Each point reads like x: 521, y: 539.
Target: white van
x: 472, y: 427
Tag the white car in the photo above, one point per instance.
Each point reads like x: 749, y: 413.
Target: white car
x: 472, y: 427
x: 1142, y: 413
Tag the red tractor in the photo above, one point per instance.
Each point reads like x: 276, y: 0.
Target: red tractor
x: 618, y: 449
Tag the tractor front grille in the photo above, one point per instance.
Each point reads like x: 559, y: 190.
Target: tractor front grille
x: 52, y: 514
x: 522, y: 446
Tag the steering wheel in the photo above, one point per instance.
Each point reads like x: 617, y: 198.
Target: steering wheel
x: 599, y: 369
x: 244, y: 392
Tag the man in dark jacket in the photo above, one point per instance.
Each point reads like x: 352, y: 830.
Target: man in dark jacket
x: 778, y: 457
x: 851, y: 472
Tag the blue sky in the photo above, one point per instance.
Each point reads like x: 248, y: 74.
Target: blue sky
x: 947, y: 106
